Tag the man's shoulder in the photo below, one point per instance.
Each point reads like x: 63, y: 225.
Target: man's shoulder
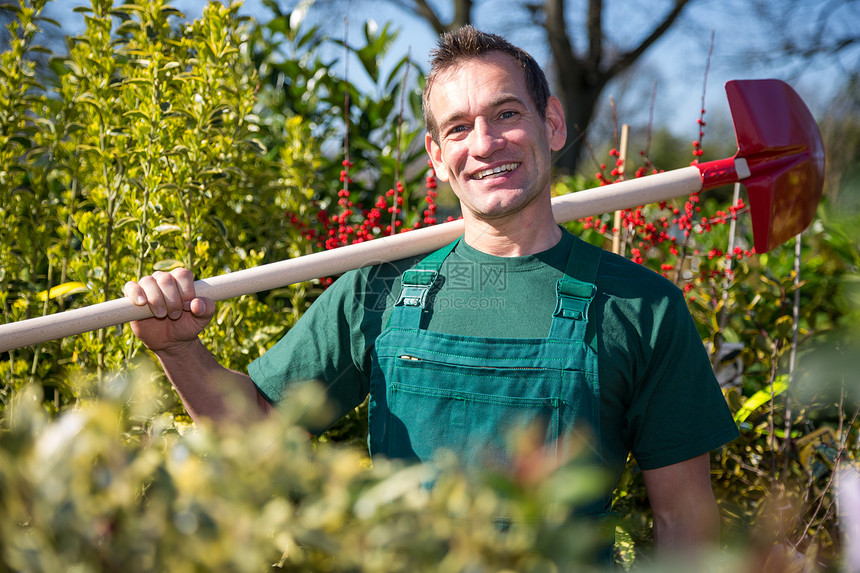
x: 384, y: 271
x: 370, y: 287
x: 620, y: 276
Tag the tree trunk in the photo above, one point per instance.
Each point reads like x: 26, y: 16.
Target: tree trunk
x: 579, y: 80
x: 579, y: 98
x: 582, y: 77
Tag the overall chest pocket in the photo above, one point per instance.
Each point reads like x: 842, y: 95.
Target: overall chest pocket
x: 478, y: 409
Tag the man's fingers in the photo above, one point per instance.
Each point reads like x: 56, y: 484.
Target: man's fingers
x: 134, y: 292
x: 171, y: 293
x: 162, y: 294
x: 201, y: 307
x: 168, y: 294
x: 185, y: 282
x: 154, y: 296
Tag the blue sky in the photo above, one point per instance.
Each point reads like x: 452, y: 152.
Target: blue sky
x: 676, y: 63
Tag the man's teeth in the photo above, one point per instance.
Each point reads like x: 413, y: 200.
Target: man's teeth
x: 494, y: 170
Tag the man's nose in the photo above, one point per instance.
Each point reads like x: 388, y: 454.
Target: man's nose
x: 486, y: 139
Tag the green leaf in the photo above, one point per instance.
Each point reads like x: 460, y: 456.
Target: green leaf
x: 42, y: 49
x: 135, y: 113
x: 257, y: 145
x: 82, y: 147
x: 168, y: 11
x: 128, y: 27
x: 308, y: 38
x: 165, y: 228
x: 129, y: 8
x: 63, y: 290
x: 58, y: 66
x: 48, y: 20
x: 88, y: 98
x: 760, y: 398
x: 123, y: 221
x: 22, y: 141
x: 167, y: 265
x: 395, y: 78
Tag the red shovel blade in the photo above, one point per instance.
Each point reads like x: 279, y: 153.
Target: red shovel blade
x: 781, y: 143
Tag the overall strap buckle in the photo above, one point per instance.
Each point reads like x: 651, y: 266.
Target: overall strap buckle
x: 416, y: 286
x: 415, y: 290
x: 574, y: 298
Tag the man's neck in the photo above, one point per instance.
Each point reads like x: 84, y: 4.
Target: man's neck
x: 512, y: 237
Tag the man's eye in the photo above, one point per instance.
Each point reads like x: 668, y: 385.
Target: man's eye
x: 457, y: 129
x: 507, y: 114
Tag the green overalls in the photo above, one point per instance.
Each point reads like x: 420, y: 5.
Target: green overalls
x: 431, y: 391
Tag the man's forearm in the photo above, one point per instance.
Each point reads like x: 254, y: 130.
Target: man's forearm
x: 681, y: 532
x: 210, y: 391
x: 686, y: 516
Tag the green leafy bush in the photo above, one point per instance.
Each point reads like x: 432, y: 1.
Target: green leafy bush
x: 115, y: 484
x: 145, y: 153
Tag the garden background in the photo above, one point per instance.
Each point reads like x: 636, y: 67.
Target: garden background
x: 149, y: 141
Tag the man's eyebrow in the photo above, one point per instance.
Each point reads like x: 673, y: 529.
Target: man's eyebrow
x: 498, y: 101
x: 505, y: 99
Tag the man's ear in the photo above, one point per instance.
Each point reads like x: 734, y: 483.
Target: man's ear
x: 555, y: 124
x: 435, y: 153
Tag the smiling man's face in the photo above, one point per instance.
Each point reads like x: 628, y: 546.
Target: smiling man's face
x: 494, y: 147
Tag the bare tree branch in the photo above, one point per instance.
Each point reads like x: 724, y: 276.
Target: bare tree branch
x: 629, y: 57
x: 462, y: 13
x: 800, y: 32
x: 426, y: 11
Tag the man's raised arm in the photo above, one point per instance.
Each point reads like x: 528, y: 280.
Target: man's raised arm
x: 208, y: 390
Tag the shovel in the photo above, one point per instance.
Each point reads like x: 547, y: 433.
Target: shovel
x: 780, y: 160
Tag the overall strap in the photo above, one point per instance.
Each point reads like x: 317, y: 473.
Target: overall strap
x: 575, y: 291
x: 415, y: 288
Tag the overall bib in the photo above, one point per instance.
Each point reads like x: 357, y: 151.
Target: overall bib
x: 432, y: 391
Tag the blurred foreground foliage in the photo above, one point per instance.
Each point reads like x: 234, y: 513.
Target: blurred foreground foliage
x: 116, y: 484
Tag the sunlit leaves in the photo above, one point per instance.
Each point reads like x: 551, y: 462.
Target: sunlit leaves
x: 147, y: 136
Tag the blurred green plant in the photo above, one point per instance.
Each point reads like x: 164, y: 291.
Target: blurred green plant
x: 115, y: 483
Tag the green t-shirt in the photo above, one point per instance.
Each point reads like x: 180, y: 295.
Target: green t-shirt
x: 658, y: 395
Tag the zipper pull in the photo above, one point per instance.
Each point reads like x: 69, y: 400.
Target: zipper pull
x: 408, y: 357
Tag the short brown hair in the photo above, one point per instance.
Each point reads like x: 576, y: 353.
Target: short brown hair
x: 468, y: 43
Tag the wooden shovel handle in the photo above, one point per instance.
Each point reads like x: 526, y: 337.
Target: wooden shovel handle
x: 591, y: 202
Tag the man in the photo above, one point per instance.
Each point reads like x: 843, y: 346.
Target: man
x: 517, y: 325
